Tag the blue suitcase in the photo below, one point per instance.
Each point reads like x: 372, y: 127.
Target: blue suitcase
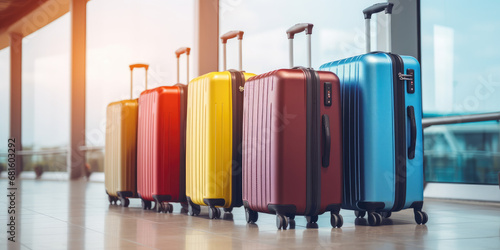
x: 381, y: 98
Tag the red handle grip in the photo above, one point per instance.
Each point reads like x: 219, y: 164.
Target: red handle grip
x: 181, y: 51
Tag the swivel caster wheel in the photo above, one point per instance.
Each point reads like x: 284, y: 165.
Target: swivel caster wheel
x: 228, y: 210
x: 160, y: 207
x: 194, y: 210
x: 386, y: 214
x: 374, y: 219
x: 124, y: 202
x: 336, y: 220
x: 291, y: 222
x: 421, y: 217
x: 144, y: 204
x: 281, y: 222
x: 311, y: 221
x: 110, y: 199
x: 359, y: 214
x: 251, y: 216
x: 185, y: 208
x: 170, y: 208
x: 214, y: 213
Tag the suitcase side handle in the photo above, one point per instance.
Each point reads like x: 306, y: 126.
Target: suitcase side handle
x: 413, y: 132
x: 376, y: 8
x: 297, y: 28
x: 326, y: 141
x: 230, y: 35
x: 132, y: 67
x: 178, y: 54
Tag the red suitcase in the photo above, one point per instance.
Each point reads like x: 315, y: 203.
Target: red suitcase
x: 292, y: 155
x: 161, y: 145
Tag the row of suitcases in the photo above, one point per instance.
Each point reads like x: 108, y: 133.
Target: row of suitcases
x: 288, y: 142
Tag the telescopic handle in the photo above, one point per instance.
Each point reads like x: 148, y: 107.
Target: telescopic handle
x: 368, y: 12
x: 230, y: 35
x: 132, y: 67
x: 297, y: 28
x: 178, y: 54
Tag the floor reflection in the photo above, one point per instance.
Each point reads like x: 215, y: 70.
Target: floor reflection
x: 76, y: 215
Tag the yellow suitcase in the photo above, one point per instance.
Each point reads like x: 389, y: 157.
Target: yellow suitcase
x: 213, y: 138
x: 120, y: 163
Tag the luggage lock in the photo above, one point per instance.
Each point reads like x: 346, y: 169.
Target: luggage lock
x: 410, y: 83
x: 328, y: 93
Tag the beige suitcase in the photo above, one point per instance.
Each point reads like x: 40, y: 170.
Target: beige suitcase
x: 120, y: 161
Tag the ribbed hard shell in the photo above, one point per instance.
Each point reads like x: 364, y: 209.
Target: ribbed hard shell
x: 368, y: 127
x: 209, y: 138
x: 274, y: 141
x: 160, y: 164
x: 121, y: 147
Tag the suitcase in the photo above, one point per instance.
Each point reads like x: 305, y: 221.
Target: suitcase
x: 292, y: 154
x: 213, y: 157
x: 121, y: 147
x: 161, y: 152
x: 382, y: 127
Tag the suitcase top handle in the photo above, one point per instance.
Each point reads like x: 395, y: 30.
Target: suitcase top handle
x: 178, y: 54
x: 297, y: 28
x: 230, y: 35
x: 376, y: 8
x: 132, y: 67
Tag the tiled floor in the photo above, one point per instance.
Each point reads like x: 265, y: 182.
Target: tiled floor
x: 76, y: 215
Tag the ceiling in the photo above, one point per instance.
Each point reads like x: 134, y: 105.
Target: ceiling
x: 13, y: 10
x: 24, y: 17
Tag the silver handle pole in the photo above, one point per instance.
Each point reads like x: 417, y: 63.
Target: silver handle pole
x: 224, y: 56
x: 309, y: 50
x: 389, y: 33
x: 177, y: 69
x: 187, y: 69
x: 367, y: 35
x: 290, y: 52
x: 146, y: 78
x: 241, y: 54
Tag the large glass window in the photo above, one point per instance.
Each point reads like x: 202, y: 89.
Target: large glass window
x: 139, y: 32
x: 338, y: 31
x: 45, y: 96
x: 4, y: 103
x: 461, y: 75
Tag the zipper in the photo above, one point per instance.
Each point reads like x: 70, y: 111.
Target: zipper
x: 399, y: 131
x: 237, y: 80
x: 313, y: 155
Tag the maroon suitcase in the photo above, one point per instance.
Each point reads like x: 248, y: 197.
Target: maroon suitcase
x: 292, y: 155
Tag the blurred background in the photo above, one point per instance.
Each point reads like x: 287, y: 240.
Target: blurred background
x: 458, y: 51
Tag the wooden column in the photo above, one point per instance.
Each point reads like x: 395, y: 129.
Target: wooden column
x: 78, y: 50
x: 16, y: 56
x: 206, y: 36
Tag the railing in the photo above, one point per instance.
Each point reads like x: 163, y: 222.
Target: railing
x: 56, y: 160
x: 427, y: 122
x: 461, y: 166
